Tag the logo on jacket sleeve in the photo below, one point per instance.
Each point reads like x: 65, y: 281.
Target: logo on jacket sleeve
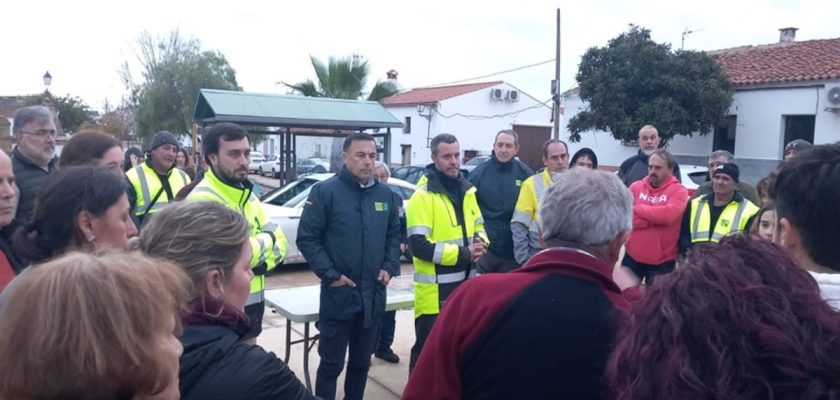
x: 380, y: 206
x: 518, y: 182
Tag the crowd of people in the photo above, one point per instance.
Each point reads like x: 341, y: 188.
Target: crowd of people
x: 141, y: 275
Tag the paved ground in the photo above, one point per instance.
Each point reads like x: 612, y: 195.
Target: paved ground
x: 385, y: 381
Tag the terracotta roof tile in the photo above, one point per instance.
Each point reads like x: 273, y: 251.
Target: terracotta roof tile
x: 434, y: 94
x: 811, y: 60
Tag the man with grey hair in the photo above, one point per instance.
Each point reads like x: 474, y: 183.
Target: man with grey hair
x: 544, y: 329
x: 635, y: 168
x: 719, y: 157
x: 33, y: 158
x: 388, y: 322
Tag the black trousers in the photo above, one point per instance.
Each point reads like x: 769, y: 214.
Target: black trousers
x: 422, y: 327
x: 255, y: 314
x: 335, y: 338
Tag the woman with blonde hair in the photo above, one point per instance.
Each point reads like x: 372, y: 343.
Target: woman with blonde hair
x: 210, y: 242
x: 92, y: 327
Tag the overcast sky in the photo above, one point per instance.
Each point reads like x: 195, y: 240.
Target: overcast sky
x: 83, y: 43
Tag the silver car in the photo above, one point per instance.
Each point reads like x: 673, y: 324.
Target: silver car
x: 284, y: 207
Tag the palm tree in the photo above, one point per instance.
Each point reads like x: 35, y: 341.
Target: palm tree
x: 342, y: 78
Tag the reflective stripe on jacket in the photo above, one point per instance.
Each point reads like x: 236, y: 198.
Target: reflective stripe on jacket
x: 146, y: 183
x: 523, y: 225
x: 267, y: 239
x: 733, y: 219
x: 431, y: 214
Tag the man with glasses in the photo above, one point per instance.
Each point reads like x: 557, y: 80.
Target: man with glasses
x: 33, y: 158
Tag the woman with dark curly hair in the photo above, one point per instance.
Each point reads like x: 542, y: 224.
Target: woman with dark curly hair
x: 740, y: 320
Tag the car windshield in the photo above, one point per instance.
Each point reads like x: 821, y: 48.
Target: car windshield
x: 476, y: 160
x: 291, y: 194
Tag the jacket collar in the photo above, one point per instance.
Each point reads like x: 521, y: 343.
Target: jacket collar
x: 737, y: 197
x: 348, y: 178
x: 27, y: 162
x: 573, y: 262
x: 434, y: 184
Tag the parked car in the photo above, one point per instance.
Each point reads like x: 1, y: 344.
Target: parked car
x: 470, y: 165
x: 284, y: 207
x: 412, y: 173
x: 312, y: 166
x: 409, y: 173
x: 272, y: 166
x: 256, y: 159
x: 693, y: 176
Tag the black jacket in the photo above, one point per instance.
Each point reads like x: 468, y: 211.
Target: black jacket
x: 16, y: 262
x: 29, y: 178
x: 636, y: 168
x: 497, y: 186
x: 217, y: 365
x: 350, y: 230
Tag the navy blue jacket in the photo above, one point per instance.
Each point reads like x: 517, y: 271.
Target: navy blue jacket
x: 355, y: 231
x: 498, y: 189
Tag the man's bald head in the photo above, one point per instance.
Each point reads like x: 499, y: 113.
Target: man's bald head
x: 648, y: 139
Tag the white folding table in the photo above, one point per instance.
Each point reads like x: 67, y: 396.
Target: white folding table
x: 301, y: 305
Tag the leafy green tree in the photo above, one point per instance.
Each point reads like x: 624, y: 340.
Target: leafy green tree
x: 72, y: 110
x: 342, y: 78
x: 174, y: 70
x: 634, y: 81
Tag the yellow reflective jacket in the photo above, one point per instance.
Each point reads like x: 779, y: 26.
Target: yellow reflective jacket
x: 733, y: 219
x: 146, y: 183
x: 267, y: 239
x: 439, y: 236
x: 523, y: 225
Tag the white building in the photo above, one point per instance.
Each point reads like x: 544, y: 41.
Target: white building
x: 474, y: 113
x: 782, y: 91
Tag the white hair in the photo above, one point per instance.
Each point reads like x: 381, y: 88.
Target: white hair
x: 587, y: 207
x: 379, y: 164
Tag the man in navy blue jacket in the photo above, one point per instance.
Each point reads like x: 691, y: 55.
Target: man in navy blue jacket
x: 349, y: 234
x: 497, y: 181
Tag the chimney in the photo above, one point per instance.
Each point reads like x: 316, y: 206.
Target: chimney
x: 787, y: 35
x: 392, y: 75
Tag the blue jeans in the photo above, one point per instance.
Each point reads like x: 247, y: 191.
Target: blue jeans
x: 387, y: 326
x: 332, y: 346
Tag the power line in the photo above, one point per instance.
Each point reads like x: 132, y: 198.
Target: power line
x: 480, y: 117
x: 493, y: 74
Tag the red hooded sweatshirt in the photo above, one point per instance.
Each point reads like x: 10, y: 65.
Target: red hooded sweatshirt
x: 657, y: 214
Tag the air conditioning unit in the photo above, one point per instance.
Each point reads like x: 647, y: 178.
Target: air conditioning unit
x: 832, y: 97
x: 497, y: 94
x: 511, y: 95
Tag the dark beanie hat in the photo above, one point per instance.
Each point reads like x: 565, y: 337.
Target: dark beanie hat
x: 728, y: 169
x: 161, y: 138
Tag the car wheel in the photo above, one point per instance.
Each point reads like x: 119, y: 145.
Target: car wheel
x: 260, y: 171
x: 274, y: 174
x: 318, y: 170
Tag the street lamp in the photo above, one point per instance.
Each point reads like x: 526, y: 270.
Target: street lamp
x: 47, y: 81
x: 46, y: 97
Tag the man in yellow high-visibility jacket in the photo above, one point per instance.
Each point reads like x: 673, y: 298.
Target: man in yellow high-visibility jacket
x: 226, y: 150
x: 716, y: 215
x: 445, y: 234
x: 523, y: 226
x: 155, y: 182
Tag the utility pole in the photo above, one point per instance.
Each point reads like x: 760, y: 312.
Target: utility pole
x: 556, y: 109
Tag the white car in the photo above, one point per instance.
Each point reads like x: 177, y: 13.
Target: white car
x: 284, y: 207
x: 272, y: 166
x: 693, y: 176
x: 256, y: 158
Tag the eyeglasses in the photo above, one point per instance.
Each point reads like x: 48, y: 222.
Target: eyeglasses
x: 41, y: 133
